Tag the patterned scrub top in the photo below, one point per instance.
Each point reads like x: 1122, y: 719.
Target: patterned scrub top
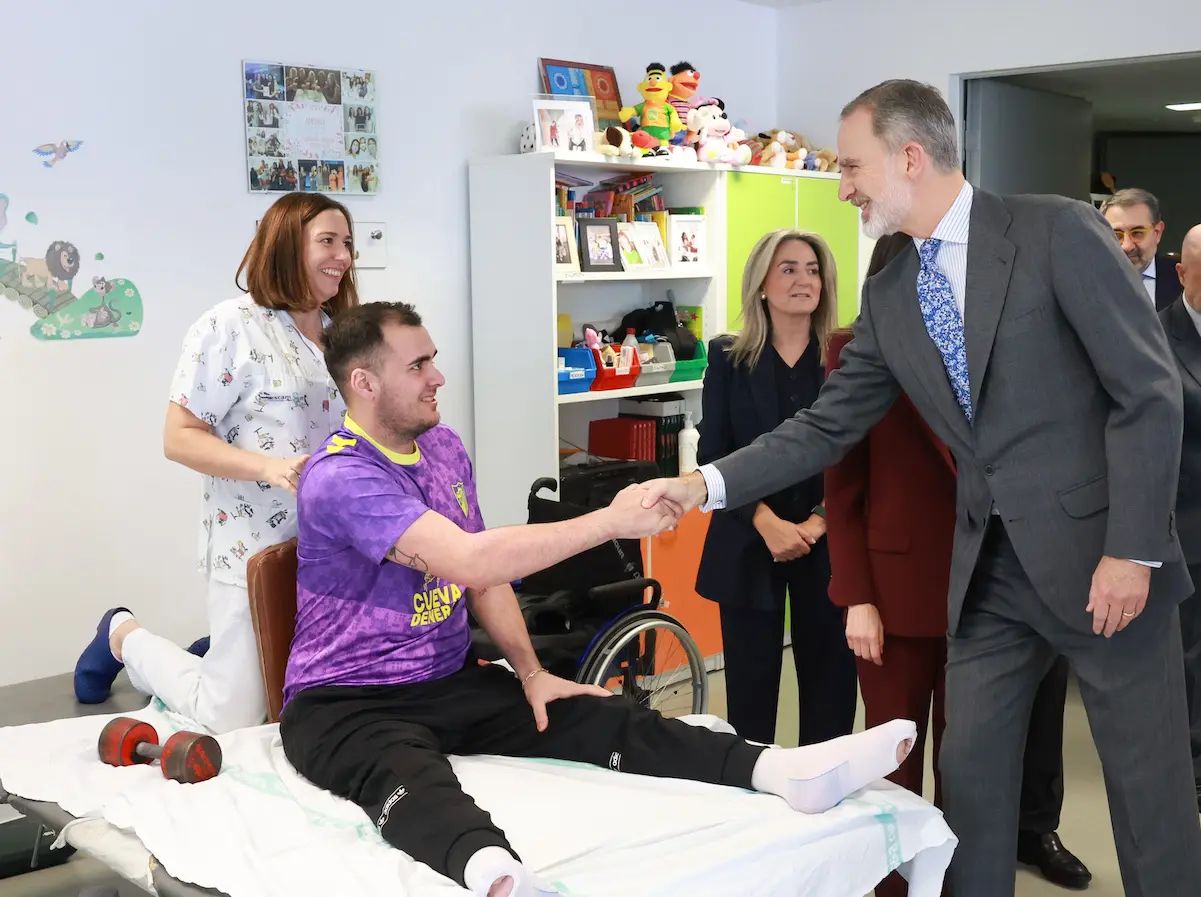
x: 249, y: 373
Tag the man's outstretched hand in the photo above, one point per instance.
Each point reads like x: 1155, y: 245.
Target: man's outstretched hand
x: 631, y: 516
x: 680, y: 493
x: 544, y: 688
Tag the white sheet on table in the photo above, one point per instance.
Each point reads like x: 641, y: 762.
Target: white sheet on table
x: 260, y: 830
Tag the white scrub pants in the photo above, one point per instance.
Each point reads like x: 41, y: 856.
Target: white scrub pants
x: 222, y: 690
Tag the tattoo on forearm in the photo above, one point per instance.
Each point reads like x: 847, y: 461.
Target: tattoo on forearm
x: 407, y: 560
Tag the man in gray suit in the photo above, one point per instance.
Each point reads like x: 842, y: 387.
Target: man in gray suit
x: 1021, y: 334
x: 1182, y: 322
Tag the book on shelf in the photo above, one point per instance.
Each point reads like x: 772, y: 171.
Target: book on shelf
x: 666, y: 411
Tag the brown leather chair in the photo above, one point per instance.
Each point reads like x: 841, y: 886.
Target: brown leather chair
x: 271, y: 583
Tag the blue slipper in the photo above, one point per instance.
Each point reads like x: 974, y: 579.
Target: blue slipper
x: 97, y: 668
x: 200, y: 647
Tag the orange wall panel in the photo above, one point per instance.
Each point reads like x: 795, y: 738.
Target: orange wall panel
x: 673, y: 560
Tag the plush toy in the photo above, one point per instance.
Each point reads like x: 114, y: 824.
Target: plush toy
x: 827, y: 160
x: 717, y: 139
x: 684, y: 82
x: 615, y: 141
x: 784, y: 150
x: 658, y: 120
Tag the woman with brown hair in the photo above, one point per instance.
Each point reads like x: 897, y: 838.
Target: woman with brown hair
x: 890, y: 507
x: 250, y: 398
x: 755, y: 554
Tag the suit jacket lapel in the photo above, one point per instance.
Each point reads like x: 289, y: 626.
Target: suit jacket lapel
x: 989, y: 265
x: 1186, y: 341
x: 924, y: 355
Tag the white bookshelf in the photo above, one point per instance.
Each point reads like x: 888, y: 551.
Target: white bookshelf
x: 521, y: 421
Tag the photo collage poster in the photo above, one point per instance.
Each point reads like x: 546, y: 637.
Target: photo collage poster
x: 311, y: 129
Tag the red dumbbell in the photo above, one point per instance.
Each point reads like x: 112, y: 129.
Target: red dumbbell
x: 187, y: 757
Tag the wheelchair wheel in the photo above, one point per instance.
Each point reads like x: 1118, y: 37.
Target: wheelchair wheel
x: 648, y: 657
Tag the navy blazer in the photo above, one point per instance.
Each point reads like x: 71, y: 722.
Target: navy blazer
x: 737, y: 406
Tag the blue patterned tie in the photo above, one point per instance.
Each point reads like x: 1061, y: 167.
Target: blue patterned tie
x: 943, y: 323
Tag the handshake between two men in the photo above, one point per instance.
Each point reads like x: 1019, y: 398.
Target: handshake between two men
x: 649, y: 508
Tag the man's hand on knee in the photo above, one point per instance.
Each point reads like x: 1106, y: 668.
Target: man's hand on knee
x: 541, y: 688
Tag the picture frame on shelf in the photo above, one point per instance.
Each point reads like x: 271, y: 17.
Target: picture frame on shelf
x: 563, y: 123
x: 631, y: 251
x: 599, y: 252
x: 566, y: 249
x: 686, y: 240
x: 650, y: 244
x: 580, y: 79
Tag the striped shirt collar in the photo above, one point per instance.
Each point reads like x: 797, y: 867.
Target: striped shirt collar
x: 954, y: 225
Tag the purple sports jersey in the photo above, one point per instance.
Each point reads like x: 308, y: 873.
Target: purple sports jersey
x: 362, y: 619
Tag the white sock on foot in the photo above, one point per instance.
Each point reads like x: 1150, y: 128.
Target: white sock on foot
x: 121, y: 616
x: 816, y: 777
x: 489, y: 866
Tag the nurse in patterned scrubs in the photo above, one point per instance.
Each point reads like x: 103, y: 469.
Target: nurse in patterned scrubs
x: 250, y: 400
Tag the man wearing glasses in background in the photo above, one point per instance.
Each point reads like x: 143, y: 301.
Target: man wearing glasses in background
x: 1133, y: 214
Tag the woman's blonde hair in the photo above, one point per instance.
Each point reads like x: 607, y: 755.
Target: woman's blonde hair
x: 756, y: 323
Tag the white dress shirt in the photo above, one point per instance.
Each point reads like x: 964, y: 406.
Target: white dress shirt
x: 1148, y: 277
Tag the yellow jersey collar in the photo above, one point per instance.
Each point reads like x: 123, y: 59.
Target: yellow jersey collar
x: 394, y: 457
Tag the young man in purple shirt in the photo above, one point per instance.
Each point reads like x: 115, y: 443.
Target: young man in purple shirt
x: 381, y: 685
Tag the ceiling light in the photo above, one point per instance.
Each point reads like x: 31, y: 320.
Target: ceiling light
x: 1184, y: 107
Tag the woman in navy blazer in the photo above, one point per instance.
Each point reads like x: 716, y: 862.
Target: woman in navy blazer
x: 755, y: 554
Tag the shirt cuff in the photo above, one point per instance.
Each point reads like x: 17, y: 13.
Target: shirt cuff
x: 1147, y: 563
x: 716, y: 487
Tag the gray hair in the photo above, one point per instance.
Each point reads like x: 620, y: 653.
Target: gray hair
x: 905, y: 111
x: 1133, y: 196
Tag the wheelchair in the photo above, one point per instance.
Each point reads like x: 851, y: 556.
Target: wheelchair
x: 591, y: 620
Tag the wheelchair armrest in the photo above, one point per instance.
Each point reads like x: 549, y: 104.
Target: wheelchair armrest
x: 633, y: 588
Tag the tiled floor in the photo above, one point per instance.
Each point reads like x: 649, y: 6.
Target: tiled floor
x: 1085, y: 828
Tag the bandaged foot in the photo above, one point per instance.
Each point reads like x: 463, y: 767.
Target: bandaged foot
x: 494, y: 872
x: 814, y: 778
x: 97, y: 666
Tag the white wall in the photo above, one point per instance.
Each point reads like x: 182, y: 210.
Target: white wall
x: 831, y: 51
x: 91, y: 515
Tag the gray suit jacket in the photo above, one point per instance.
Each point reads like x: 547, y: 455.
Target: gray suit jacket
x: 1077, y: 404
x: 1186, y: 347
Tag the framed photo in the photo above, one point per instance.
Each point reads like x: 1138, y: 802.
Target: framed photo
x: 567, y: 258
x: 599, y: 245
x: 564, y: 124
x: 581, y: 79
x: 627, y: 243
x: 686, y: 240
x: 650, y: 244
x: 310, y: 128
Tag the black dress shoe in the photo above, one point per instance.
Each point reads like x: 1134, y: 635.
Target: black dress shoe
x: 1057, y: 864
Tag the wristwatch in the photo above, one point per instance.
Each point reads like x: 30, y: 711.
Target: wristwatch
x: 819, y: 510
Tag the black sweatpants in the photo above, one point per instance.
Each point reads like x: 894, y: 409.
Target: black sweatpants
x: 384, y: 747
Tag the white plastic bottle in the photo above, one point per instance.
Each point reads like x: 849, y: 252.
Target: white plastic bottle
x: 689, y: 440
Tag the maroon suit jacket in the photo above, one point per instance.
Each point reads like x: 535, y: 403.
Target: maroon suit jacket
x: 890, y: 520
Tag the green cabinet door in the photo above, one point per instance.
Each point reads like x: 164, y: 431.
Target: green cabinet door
x: 819, y: 210
x: 757, y: 202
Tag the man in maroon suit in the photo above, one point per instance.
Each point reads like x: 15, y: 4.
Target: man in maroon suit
x: 890, y: 510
